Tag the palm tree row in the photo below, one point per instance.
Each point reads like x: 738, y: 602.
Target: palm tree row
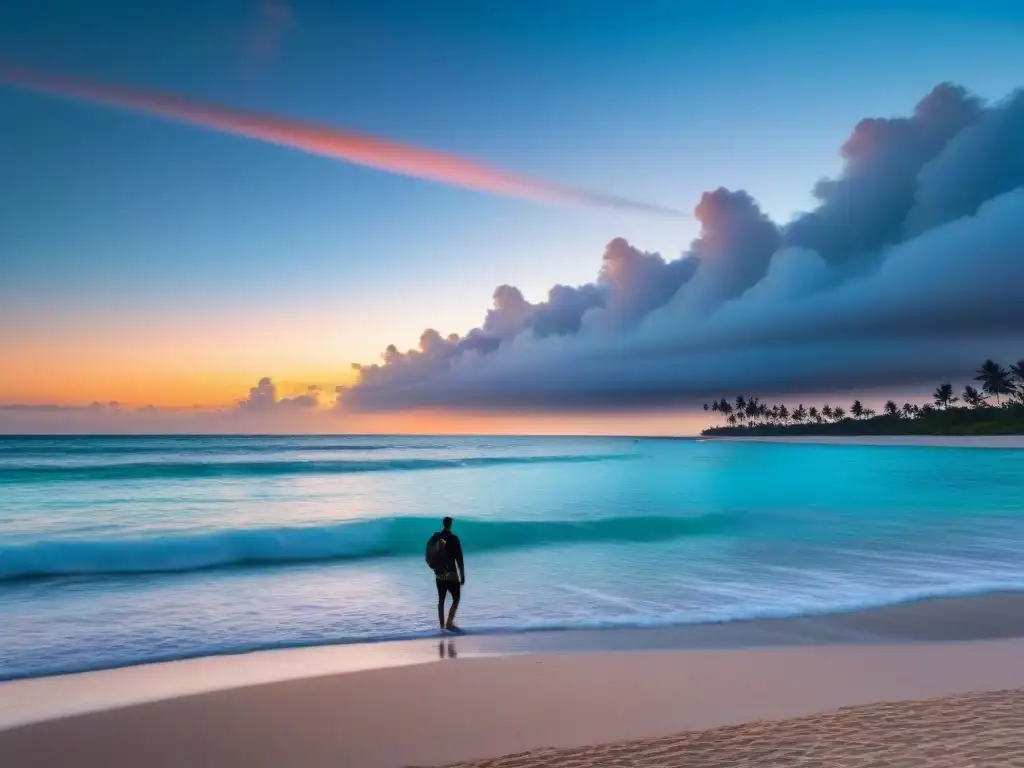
x: 1006, y: 386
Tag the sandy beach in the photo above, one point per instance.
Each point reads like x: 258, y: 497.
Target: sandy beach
x: 972, y: 729
x: 932, y: 441
x: 870, y: 688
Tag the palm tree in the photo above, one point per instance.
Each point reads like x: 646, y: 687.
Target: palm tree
x: 1018, y: 373
x: 827, y: 412
x: 839, y: 413
x: 741, y: 403
x: 800, y: 413
x: 705, y: 406
x: 752, y: 409
x: 783, y: 413
x: 995, y: 380
x: 857, y: 409
x: 973, y: 397
x: 732, y: 419
x: 944, y: 396
x: 869, y: 413
x: 814, y: 413
x: 891, y: 409
x: 926, y: 410
x: 908, y: 410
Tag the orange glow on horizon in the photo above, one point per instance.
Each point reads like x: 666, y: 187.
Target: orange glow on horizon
x: 212, y: 359
x: 178, y: 401
x: 78, y: 375
x: 597, y: 424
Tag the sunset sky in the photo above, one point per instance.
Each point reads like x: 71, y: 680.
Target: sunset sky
x: 164, y: 266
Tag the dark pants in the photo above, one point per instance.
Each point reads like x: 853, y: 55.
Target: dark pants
x: 444, y: 587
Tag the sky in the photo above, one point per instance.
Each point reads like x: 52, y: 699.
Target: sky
x: 166, y: 275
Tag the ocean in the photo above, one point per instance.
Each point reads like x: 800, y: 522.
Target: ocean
x: 121, y: 550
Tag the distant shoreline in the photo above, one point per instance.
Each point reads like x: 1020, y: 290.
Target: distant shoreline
x: 927, y: 423
x: 978, y: 416
x: 930, y: 441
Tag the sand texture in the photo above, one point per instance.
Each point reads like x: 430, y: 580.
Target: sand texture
x: 983, y: 729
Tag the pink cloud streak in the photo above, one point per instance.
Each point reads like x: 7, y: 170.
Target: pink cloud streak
x: 338, y: 144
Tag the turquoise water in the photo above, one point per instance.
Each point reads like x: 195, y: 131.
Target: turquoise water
x: 120, y: 550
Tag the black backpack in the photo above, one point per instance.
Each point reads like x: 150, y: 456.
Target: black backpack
x: 437, y: 552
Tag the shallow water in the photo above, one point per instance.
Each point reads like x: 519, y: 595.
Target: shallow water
x: 120, y: 550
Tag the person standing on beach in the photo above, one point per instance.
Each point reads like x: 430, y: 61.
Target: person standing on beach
x: 444, y: 556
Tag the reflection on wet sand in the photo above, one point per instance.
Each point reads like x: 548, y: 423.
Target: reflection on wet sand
x: 449, y: 648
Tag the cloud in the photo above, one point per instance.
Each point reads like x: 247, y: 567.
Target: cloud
x: 361, y: 149
x: 261, y: 411
x: 909, y: 270
x: 263, y: 398
x: 99, y: 418
x: 866, y: 207
x: 980, y: 163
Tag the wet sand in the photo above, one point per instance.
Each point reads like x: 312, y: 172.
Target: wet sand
x: 580, y: 691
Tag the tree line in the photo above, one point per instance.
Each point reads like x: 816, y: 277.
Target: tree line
x: 1005, y: 386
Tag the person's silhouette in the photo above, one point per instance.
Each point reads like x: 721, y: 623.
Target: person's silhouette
x: 449, y: 572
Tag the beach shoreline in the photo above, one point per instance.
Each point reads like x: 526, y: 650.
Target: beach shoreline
x: 974, y: 615
x: 744, y: 671
x: 305, y: 546
x: 923, y: 441
x: 481, y: 708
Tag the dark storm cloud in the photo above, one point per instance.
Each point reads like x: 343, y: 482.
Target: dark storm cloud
x: 866, y: 207
x: 983, y: 161
x: 631, y: 282
x: 910, y: 269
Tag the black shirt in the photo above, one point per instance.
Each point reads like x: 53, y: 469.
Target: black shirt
x: 452, y: 557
